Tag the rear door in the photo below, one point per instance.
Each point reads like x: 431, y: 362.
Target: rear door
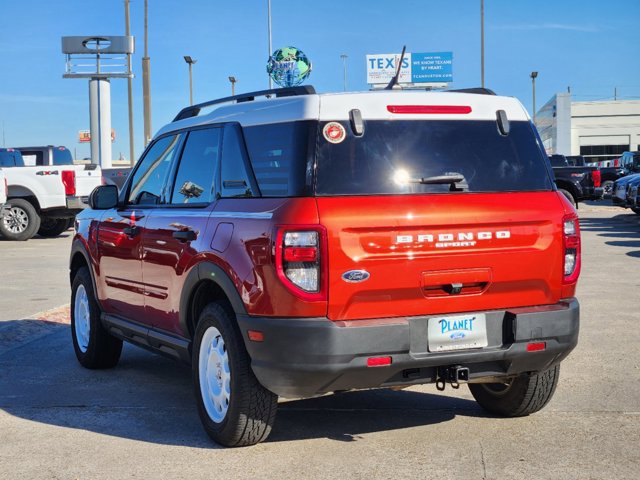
x: 175, y: 231
x: 427, y: 217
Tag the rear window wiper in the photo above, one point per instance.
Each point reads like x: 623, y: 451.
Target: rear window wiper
x: 448, y: 179
x: 456, y: 181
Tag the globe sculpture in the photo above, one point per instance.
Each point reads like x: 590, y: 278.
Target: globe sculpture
x: 288, y: 67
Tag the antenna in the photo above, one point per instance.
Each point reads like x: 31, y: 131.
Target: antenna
x: 394, y: 80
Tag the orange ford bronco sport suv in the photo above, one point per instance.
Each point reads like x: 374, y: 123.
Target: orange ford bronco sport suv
x: 293, y: 244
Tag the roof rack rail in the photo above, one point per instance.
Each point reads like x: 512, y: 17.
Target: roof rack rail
x: 476, y: 90
x: 194, y: 110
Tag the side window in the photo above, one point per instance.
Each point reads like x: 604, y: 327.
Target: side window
x: 150, y: 176
x: 235, y: 180
x: 195, y: 180
x: 32, y: 158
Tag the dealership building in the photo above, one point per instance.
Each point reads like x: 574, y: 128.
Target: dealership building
x: 598, y: 130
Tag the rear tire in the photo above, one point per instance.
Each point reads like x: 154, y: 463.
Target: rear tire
x: 52, y: 227
x: 607, y: 189
x: 569, y: 196
x: 21, y: 221
x: 520, y: 397
x: 95, y: 348
x: 235, y: 409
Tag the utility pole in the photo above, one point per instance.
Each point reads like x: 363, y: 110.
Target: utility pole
x: 269, y: 28
x: 344, y: 67
x: 615, y: 93
x: 146, y: 81
x: 482, y: 42
x: 129, y: 87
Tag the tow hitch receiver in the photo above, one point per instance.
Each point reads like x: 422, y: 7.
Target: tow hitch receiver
x: 454, y: 375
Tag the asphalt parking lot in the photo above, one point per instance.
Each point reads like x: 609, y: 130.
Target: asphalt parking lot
x: 139, y: 420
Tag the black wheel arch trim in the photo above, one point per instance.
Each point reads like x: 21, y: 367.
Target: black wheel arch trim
x: 208, y: 271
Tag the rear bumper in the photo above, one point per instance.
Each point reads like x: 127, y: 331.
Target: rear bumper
x: 77, y: 204
x: 307, y: 357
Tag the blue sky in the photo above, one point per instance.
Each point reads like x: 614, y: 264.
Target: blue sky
x: 591, y: 46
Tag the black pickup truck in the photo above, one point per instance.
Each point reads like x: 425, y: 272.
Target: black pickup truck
x: 577, y: 183
x: 608, y: 175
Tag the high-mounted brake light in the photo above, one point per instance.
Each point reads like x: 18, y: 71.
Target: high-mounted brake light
x: 300, y: 261
x: 571, y: 247
x: 69, y: 182
x: 429, y: 109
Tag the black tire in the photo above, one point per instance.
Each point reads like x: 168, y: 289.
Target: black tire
x: 52, y: 227
x: 522, y: 396
x: 21, y: 222
x: 569, y: 196
x: 607, y: 188
x: 71, y: 222
x: 95, y: 348
x: 247, y: 410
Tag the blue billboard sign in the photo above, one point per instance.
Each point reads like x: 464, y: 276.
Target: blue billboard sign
x: 432, y: 67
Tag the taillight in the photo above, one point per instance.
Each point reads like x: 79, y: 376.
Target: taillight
x: 571, y: 241
x: 301, y: 260
x: 69, y: 182
x: 597, y: 178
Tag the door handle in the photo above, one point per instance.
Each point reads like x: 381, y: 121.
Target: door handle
x: 131, y: 231
x: 185, y: 235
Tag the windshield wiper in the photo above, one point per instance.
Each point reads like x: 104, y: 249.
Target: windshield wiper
x: 439, y: 179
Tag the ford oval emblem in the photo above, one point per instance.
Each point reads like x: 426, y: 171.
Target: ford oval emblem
x: 355, y: 276
x: 457, y: 335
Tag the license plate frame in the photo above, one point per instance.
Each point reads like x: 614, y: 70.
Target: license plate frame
x: 457, y: 332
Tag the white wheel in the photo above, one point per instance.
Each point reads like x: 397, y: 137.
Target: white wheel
x: 215, y: 375
x: 93, y: 345
x: 83, y: 318
x: 234, y: 408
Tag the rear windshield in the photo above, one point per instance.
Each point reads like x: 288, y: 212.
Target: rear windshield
x: 404, y: 156
x: 62, y: 156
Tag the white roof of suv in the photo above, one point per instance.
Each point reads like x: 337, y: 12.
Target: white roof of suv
x: 378, y: 105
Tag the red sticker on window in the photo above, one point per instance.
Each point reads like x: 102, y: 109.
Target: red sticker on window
x: 334, y: 132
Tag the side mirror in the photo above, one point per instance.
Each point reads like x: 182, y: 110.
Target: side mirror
x: 104, y: 197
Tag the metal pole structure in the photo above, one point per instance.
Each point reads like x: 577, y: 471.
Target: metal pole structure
x: 233, y: 85
x: 344, y: 67
x: 190, y: 83
x: 269, y: 26
x: 482, y: 42
x: 129, y: 87
x: 533, y: 86
x: 190, y: 61
x: 146, y: 81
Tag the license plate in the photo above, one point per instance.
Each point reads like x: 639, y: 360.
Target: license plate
x: 458, y: 332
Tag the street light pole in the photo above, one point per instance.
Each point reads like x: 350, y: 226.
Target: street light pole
x: 533, y: 86
x: 482, y: 42
x: 146, y: 80
x: 344, y: 66
x: 233, y: 85
x: 190, y: 61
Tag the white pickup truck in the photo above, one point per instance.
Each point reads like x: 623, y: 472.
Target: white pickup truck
x: 43, y: 199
